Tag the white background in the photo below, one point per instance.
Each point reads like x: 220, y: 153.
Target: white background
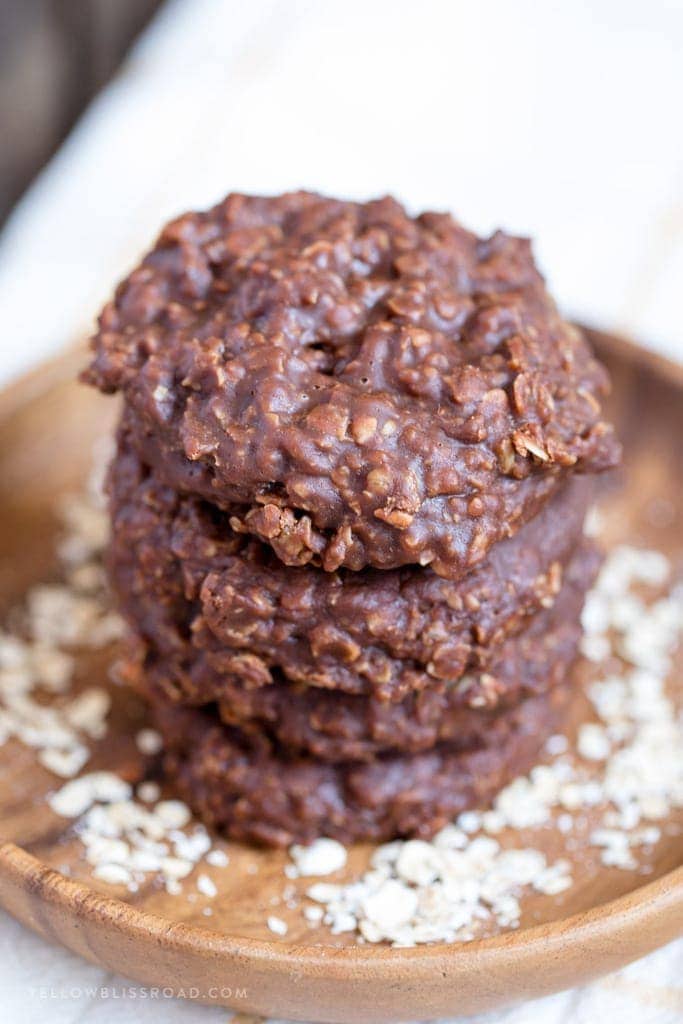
x: 557, y: 119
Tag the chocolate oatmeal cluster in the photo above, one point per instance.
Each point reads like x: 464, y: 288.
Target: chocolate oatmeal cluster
x: 347, y: 508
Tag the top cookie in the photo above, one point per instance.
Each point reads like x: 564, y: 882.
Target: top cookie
x: 356, y: 386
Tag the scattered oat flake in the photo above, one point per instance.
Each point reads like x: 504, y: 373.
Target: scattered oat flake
x: 80, y: 794
x: 113, y: 874
x: 557, y: 744
x: 593, y: 742
x: 148, y: 742
x: 175, y: 867
x: 206, y: 886
x: 217, y: 858
x: 322, y: 857
x: 172, y: 813
x: 65, y: 763
x: 277, y: 925
x: 149, y: 792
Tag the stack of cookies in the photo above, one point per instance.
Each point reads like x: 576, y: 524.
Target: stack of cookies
x: 353, y: 466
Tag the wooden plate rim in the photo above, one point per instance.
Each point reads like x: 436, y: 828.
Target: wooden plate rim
x: 636, y: 910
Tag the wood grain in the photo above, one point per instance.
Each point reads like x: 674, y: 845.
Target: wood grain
x: 48, y: 425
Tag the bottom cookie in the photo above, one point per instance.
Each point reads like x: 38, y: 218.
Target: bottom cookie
x: 251, y: 791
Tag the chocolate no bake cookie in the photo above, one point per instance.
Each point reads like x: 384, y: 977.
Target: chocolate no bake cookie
x: 218, y: 605
x: 334, y: 726
x: 354, y: 386
x: 250, y: 790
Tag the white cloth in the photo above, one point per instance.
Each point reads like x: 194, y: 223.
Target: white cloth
x: 557, y: 119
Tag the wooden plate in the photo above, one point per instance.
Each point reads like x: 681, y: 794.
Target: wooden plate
x: 609, y: 917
